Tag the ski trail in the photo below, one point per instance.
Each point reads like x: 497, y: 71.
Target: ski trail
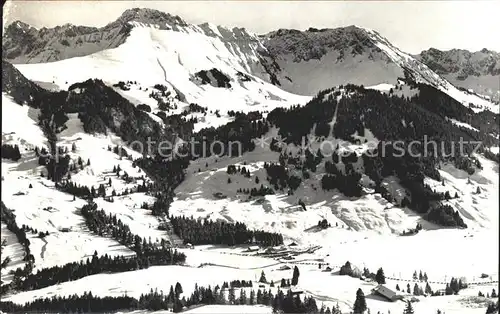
x: 334, y: 119
x: 182, y: 97
x: 44, y: 248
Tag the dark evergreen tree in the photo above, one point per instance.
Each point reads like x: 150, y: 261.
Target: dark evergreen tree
x: 263, y: 277
x: 380, y: 277
x: 178, y: 289
x: 409, y: 308
x: 295, y: 277
x: 360, y: 303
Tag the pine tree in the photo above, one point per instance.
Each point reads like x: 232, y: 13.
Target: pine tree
x: 416, y: 290
x: 251, y: 299
x: 448, y: 290
x: 295, y: 277
x: 397, y: 287
x: 360, y: 302
x: 492, y: 308
x: 415, y: 277
x: 171, y: 294
x: 428, y: 289
x: 336, y: 309
x: 243, y: 297
x: 493, y: 293
x: 231, y: 297
x: 408, y: 308
x: 88, y: 162
x: 178, y: 289
x: 420, y: 276
x: 262, y: 278
x: 380, y: 277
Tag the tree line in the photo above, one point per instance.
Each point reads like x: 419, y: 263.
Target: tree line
x: 200, y: 232
x: 75, y: 270
x: 108, y: 225
x: 281, y: 301
x: 11, y: 152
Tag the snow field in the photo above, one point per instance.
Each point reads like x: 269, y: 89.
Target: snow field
x: 102, y: 161
x: 19, y: 124
x: 46, y: 209
x: 14, y: 250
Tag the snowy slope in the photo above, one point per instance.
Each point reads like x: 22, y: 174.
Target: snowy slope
x: 14, y: 250
x: 423, y: 74
x: 19, y: 124
x: 152, y: 56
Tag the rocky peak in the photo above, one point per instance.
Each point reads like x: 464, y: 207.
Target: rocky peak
x: 314, y: 43
x: 25, y: 44
x: 150, y: 16
x: 19, y: 29
x: 462, y: 63
x: 19, y: 26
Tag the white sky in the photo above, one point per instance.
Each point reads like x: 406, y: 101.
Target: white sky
x: 410, y: 25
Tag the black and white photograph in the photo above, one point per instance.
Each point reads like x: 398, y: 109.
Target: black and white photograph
x: 250, y: 157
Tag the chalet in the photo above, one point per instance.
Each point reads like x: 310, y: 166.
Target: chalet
x: 385, y: 292
x: 270, y: 250
x: 295, y: 291
x: 440, y: 292
x: 253, y: 248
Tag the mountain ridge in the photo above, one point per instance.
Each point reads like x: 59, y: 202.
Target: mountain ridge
x: 300, y: 62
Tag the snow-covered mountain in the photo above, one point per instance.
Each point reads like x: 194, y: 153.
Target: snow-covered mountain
x: 23, y: 43
x: 182, y: 58
x: 479, y: 70
x: 308, y: 61
x: 300, y: 62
